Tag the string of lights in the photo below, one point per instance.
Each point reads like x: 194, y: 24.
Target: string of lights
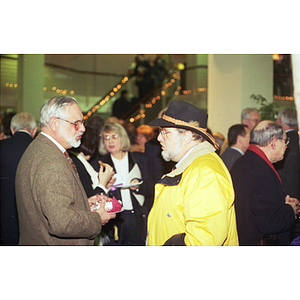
x: 148, y: 105
x: 142, y: 113
x: 106, y: 98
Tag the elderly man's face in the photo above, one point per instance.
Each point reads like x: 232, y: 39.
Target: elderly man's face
x: 254, y: 119
x: 70, y: 134
x: 280, y: 148
x: 171, y: 143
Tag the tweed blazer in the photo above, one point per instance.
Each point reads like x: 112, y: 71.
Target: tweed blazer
x: 51, y: 201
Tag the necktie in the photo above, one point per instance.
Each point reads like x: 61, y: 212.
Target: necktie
x: 71, y: 162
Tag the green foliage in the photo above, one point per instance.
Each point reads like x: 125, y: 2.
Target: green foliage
x: 268, y: 111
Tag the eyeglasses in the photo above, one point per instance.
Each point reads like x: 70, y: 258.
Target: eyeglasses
x: 286, y: 141
x: 77, y: 124
x: 113, y: 137
x: 164, y: 133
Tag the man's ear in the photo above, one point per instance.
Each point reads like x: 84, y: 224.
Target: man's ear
x: 188, y: 136
x: 12, y: 130
x: 33, y: 132
x: 238, y: 139
x: 53, y: 123
x: 273, y: 143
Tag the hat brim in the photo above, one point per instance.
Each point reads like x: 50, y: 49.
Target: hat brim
x: 164, y: 123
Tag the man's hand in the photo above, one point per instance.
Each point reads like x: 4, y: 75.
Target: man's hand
x: 105, y: 216
x: 92, y: 200
x: 294, y: 203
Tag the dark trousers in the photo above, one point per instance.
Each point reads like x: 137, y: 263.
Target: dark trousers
x: 129, y: 230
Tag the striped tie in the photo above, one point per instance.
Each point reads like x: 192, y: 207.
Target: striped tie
x: 71, y: 162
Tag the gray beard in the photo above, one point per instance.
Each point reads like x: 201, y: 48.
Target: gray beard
x: 168, y: 154
x: 74, y: 143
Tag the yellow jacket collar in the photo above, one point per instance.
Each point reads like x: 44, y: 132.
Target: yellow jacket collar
x: 201, y: 149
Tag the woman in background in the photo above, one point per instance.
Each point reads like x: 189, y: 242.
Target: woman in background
x: 144, y: 134
x: 131, y: 168
x: 92, y: 181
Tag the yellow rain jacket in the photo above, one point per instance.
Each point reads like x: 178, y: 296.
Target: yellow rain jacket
x: 194, y: 204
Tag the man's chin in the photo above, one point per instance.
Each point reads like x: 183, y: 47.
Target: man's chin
x: 165, y: 156
x: 75, y: 144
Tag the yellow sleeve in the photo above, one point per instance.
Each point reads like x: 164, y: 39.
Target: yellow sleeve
x: 208, y: 193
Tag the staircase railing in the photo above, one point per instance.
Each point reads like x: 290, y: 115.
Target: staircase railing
x: 107, y: 98
x: 147, y: 108
x: 157, y: 99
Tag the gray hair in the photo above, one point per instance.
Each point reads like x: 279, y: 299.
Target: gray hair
x: 23, y: 121
x: 288, y: 117
x: 265, y: 134
x: 196, y: 136
x: 246, y: 112
x: 120, y: 131
x: 55, y: 107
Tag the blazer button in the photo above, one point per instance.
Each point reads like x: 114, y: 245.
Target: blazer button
x: 169, y: 215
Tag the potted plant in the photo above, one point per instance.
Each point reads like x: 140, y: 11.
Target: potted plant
x: 268, y: 111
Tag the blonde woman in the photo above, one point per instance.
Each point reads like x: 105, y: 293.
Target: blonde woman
x: 133, y: 187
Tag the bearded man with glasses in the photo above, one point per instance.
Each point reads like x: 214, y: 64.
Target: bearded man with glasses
x: 52, y: 204
x: 194, y: 203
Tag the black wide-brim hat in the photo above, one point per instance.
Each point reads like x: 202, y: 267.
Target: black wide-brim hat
x: 184, y: 115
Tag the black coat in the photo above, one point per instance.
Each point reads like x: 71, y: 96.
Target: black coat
x: 85, y: 177
x: 146, y: 189
x: 11, y: 151
x: 260, y: 201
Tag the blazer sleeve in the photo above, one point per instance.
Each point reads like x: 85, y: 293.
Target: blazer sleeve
x: 267, y: 203
x: 64, y: 203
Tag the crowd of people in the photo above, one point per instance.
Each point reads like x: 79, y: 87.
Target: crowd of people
x: 178, y: 182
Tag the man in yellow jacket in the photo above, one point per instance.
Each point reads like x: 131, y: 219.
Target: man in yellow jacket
x: 193, y: 204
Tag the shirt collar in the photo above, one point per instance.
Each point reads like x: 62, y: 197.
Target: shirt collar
x: 237, y: 149
x: 25, y: 131
x: 184, y: 157
x: 62, y: 149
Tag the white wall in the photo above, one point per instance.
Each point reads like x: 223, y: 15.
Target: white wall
x: 232, y: 78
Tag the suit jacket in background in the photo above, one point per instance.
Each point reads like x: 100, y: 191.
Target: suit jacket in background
x: 229, y: 156
x: 289, y: 168
x: 259, y: 201
x: 11, y: 151
x: 52, y: 204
